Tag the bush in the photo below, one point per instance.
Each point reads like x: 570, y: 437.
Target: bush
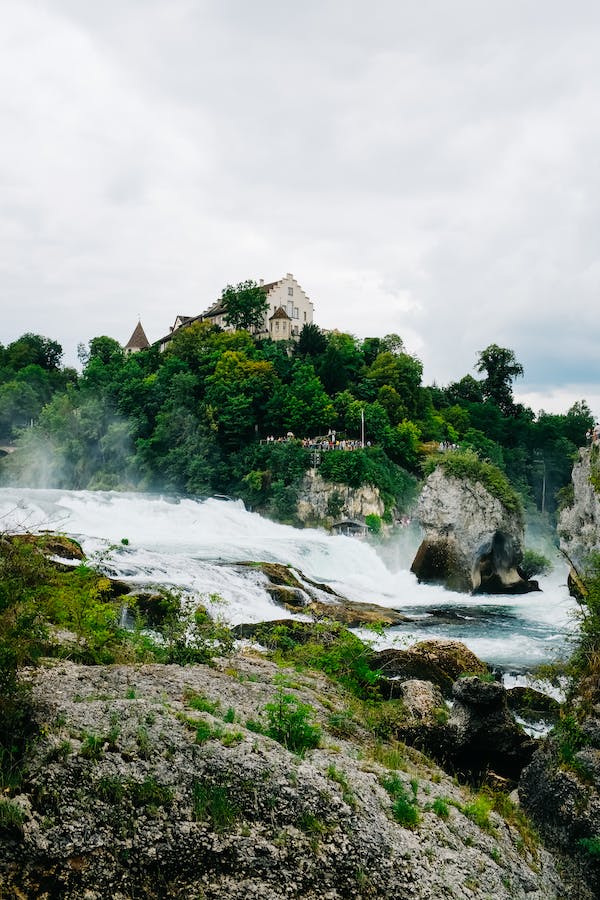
x: 213, y: 802
x: 535, y: 563
x: 371, y: 466
x: 404, y: 808
x: 440, y: 808
x: 373, y: 523
x: 289, y: 722
x: 333, y: 650
x: 11, y: 817
x: 569, y: 737
x: 591, y: 846
x: 479, y: 812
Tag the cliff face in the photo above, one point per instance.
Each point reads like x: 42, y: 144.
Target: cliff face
x: 321, y: 500
x: 472, y: 541
x: 147, y: 781
x: 579, y: 525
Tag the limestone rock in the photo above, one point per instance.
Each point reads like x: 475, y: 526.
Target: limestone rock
x: 579, y: 524
x: 564, y: 803
x: 319, y: 498
x: 145, y: 809
x: 472, y: 541
x: 487, y: 737
x: 438, y: 661
x: 297, y: 593
x: 532, y: 705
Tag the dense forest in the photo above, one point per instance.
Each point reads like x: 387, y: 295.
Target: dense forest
x: 196, y: 418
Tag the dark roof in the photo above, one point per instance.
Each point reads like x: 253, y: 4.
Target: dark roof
x: 349, y: 525
x: 271, y: 284
x: 279, y: 313
x: 138, y: 340
x: 216, y: 309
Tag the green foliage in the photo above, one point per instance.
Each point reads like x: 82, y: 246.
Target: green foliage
x: 584, y: 664
x: 204, y: 731
x: 290, y: 723
x: 370, y: 466
x: 200, y: 702
x: 245, y: 305
x: 440, y: 808
x: 591, y: 845
x: 148, y: 793
x: 22, y: 640
x: 188, y: 419
x: 334, y: 650
x: 404, y: 808
x: 342, y: 779
x: 535, y: 563
x: 569, y: 737
x: 92, y: 746
x: 213, y: 802
x: 479, y: 812
x: 335, y: 504
x: 110, y: 789
x: 11, y: 817
x: 501, y: 368
x: 373, y: 523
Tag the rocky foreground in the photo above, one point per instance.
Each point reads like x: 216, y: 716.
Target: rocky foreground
x: 155, y: 781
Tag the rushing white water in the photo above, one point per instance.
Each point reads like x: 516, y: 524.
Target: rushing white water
x: 191, y: 545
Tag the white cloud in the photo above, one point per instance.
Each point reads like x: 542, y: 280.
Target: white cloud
x: 427, y: 169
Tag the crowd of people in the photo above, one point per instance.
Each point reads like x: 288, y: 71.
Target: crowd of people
x: 592, y: 435
x: 327, y: 442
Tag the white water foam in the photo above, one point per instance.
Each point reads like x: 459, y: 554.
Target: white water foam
x: 191, y: 545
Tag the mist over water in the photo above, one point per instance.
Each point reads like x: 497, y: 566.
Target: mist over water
x: 192, y: 545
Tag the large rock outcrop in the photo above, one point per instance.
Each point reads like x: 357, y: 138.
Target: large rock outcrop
x: 560, y: 790
x: 472, y: 541
x: 579, y: 524
x: 146, y: 782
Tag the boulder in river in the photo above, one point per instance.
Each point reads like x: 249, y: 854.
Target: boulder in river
x: 473, y: 541
x: 439, y: 661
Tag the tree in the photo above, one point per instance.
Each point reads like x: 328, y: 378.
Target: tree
x: 312, y: 341
x: 245, y: 305
x: 33, y: 349
x: 501, y: 368
x: 467, y: 390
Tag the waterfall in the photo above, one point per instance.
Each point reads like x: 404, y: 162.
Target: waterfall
x: 193, y: 545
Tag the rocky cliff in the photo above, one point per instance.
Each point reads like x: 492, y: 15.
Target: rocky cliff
x: 326, y: 501
x: 579, y: 524
x: 472, y: 540
x: 155, y: 781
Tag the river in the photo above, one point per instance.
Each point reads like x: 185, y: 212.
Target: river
x: 191, y: 545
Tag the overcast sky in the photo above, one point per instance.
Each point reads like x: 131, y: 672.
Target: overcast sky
x: 429, y: 168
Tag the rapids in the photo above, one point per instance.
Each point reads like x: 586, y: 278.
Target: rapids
x: 191, y: 545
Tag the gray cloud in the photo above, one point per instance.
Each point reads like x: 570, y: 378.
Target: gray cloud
x: 425, y: 168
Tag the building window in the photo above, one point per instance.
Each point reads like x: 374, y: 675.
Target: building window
x: 290, y: 292
x: 305, y: 317
x: 290, y: 308
x: 296, y: 313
